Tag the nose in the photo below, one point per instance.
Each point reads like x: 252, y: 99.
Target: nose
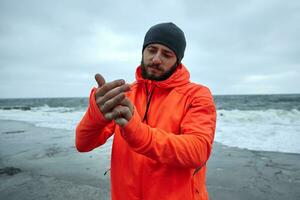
x: 156, y: 58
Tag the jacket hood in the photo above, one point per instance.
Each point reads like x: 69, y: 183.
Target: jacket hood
x: 181, y: 76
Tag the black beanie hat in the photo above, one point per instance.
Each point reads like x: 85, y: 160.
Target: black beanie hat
x: 167, y: 34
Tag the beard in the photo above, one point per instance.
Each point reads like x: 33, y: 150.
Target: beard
x: 162, y: 77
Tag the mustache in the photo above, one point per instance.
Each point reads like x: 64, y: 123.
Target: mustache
x: 155, y: 66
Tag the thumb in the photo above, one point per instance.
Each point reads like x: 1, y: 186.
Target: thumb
x: 99, y: 79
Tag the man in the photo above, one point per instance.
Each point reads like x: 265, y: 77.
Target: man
x: 163, y: 124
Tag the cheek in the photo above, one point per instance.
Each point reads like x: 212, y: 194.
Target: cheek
x: 146, y: 56
x: 169, y: 66
x: 146, y: 60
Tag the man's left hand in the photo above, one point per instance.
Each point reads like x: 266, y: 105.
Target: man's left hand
x: 122, y: 113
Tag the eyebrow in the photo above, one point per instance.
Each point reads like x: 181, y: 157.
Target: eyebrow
x: 164, y: 50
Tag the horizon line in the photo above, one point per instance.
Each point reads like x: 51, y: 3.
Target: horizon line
x: 62, y: 97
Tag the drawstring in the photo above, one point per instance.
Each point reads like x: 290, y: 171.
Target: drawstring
x: 148, y: 102
x: 106, y: 172
x: 198, y: 169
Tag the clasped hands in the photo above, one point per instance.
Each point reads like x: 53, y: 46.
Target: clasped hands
x: 112, y: 101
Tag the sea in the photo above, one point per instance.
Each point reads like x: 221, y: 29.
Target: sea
x: 255, y: 122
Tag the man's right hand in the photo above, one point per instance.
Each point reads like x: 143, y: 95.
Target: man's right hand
x: 109, y: 95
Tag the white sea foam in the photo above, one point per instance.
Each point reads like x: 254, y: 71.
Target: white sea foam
x: 268, y: 130
x: 45, y: 116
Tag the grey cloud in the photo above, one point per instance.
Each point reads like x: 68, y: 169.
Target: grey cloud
x: 52, y: 43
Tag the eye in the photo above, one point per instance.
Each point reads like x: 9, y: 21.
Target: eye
x: 167, y: 55
x: 151, y: 50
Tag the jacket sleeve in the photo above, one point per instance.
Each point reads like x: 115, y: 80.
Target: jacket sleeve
x: 93, y: 130
x: 189, y: 149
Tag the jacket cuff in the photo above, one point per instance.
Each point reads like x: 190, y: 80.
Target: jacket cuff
x: 132, y: 132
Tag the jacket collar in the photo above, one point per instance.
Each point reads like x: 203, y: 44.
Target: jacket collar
x: 180, y: 77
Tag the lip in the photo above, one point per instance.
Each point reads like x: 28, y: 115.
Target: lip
x: 154, y: 68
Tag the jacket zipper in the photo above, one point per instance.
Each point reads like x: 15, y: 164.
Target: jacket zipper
x: 145, y: 118
x: 149, y: 97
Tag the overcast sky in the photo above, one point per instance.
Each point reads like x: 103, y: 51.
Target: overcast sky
x: 54, y: 48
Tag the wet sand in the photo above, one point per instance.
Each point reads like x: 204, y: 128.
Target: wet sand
x: 42, y: 163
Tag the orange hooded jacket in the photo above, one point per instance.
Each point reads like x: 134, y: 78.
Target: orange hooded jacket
x: 169, y: 136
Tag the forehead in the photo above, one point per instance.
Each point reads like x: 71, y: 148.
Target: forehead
x: 160, y: 46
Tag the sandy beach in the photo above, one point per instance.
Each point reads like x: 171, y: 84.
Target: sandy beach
x: 42, y: 163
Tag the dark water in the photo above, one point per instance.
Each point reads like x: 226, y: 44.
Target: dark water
x: 258, y: 102
x: 224, y: 102
x: 29, y: 103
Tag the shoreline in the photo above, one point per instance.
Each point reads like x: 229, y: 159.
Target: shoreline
x: 51, y: 168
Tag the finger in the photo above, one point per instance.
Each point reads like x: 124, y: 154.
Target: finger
x: 97, y: 93
x: 109, y: 86
x: 110, y: 104
x: 119, y: 111
x: 125, y: 112
x: 109, y: 116
x: 127, y: 102
x: 99, y: 79
x: 121, y: 122
x: 114, y: 92
x: 101, y: 91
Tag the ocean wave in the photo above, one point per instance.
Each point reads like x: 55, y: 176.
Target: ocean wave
x: 44, y: 108
x: 270, y: 116
x: 60, y: 109
x: 15, y: 108
x: 267, y: 130
x: 45, y: 116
